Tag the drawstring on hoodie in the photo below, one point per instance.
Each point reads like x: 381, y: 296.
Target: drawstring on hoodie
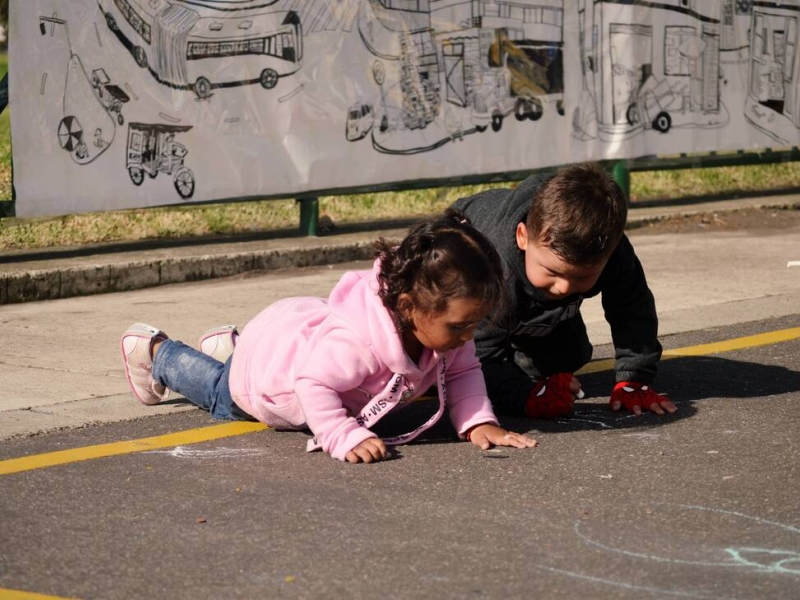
x: 385, y: 401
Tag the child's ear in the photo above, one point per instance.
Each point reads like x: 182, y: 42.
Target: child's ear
x: 405, y: 306
x: 522, y: 236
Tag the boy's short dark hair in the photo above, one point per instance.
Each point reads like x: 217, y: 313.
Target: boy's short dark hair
x: 579, y: 214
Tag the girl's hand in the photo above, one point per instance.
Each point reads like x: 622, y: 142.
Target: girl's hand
x: 487, y: 435
x: 370, y: 450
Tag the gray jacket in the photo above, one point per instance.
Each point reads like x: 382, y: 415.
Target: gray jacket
x: 627, y: 300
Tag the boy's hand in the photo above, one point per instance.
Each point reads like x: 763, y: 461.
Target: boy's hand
x: 552, y: 397
x: 487, y: 435
x: 636, y: 396
x: 370, y: 450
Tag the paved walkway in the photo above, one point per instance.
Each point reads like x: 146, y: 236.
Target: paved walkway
x: 60, y: 361
x: 102, y: 268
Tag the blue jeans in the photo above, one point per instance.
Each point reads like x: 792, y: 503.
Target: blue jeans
x: 197, y: 377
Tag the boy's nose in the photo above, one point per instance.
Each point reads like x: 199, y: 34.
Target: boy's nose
x: 562, y: 287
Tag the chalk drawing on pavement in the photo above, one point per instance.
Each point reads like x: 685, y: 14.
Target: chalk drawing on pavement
x: 624, y: 585
x: 762, y: 560
x: 222, y: 452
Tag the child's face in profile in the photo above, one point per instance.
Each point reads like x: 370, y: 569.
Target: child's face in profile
x: 550, y: 274
x: 451, y: 328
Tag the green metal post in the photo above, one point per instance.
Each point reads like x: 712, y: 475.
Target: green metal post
x: 309, y: 215
x: 3, y: 93
x: 622, y: 176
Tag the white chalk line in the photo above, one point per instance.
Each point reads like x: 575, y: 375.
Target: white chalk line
x: 185, y: 452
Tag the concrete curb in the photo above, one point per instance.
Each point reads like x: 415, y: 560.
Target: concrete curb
x: 37, y: 280
x: 50, y: 284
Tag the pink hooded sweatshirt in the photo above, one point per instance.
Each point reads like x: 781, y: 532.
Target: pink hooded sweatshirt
x: 311, y: 362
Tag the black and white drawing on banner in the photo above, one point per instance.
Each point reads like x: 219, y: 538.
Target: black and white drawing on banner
x: 280, y: 94
x: 773, y: 99
x: 203, y: 45
x: 153, y: 149
x: 445, y: 72
x: 637, y: 76
x: 87, y: 128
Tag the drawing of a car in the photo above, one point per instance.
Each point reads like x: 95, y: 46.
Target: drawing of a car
x: 360, y: 119
x: 111, y: 96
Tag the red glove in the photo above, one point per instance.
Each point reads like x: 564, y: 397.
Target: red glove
x: 550, y: 397
x: 634, y: 393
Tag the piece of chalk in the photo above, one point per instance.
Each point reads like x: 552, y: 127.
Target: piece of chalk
x: 793, y: 263
x: 580, y: 394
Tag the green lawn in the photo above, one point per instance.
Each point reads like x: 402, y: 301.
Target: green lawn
x: 5, y: 141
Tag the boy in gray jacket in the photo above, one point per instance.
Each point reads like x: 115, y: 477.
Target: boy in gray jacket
x: 561, y: 238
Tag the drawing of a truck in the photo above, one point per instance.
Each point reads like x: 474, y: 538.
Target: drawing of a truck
x: 496, y: 72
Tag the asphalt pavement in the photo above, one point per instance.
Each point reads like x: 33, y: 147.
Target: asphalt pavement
x: 101, y: 497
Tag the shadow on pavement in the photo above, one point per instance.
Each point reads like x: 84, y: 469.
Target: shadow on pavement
x: 694, y: 378
x: 712, y: 377
x: 685, y: 380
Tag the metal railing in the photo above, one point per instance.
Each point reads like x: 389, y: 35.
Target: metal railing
x: 701, y: 160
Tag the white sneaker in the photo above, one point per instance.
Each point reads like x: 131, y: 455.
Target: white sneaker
x: 137, y: 354
x: 218, y: 343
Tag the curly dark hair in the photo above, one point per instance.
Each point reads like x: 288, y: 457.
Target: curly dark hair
x: 441, y: 259
x: 579, y: 214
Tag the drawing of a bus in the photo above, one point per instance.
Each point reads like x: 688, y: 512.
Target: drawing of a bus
x: 199, y: 46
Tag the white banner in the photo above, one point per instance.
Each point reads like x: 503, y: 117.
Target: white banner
x: 132, y: 103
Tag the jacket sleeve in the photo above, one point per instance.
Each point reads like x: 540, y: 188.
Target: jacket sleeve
x: 467, y: 402
x: 507, y: 384
x: 631, y: 312
x: 496, y: 213
x: 338, y: 363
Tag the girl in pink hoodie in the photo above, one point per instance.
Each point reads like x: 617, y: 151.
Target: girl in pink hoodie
x: 338, y: 365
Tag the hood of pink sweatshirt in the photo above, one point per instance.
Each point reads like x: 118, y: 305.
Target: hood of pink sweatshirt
x: 355, y: 301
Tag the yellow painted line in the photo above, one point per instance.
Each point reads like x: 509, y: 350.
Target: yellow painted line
x: 596, y: 366
x: 20, y: 595
x: 750, y: 341
x: 205, y: 434
x: 181, y: 438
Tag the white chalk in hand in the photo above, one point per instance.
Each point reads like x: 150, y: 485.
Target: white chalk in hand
x: 580, y: 394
